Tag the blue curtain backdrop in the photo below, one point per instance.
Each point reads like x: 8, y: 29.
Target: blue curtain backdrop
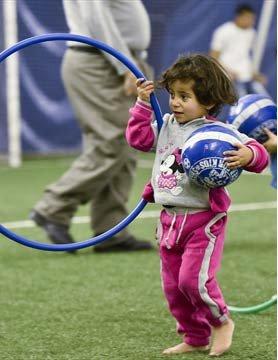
x: 178, y: 26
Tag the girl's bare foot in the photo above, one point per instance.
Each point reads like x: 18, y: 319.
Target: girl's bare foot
x: 222, y: 338
x: 184, y: 348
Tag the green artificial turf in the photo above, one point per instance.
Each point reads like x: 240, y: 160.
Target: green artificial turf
x: 95, y: 306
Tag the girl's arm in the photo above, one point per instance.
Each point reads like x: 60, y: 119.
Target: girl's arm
x: 251, y: 155
x: 260, y: 157
x: 141, y: 132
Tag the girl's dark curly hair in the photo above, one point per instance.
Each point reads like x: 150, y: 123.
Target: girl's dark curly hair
x: 212, y: 85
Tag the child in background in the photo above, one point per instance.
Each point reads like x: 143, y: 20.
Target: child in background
x: 271, y: 147
x: 193, y: 219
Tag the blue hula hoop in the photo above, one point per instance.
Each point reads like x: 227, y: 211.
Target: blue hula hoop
x: 79, y: 245
x: 155, y: 105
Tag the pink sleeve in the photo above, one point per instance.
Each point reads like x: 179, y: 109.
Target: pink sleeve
x: 148, y: 194
x: 260, y: 157
x: 139, y: 132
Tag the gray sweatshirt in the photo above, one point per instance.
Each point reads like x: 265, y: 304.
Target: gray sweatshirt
x: 170, y: 183
x: 122, y: 24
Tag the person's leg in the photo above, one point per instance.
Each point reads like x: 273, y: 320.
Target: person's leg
x: 96, y: 94
x: 108, y: 208
x: 197, y: 279
x: 86, y: 177
x: 180, y: 306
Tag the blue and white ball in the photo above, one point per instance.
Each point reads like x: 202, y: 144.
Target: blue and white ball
x: 252, y: 113
x: 203, y: 159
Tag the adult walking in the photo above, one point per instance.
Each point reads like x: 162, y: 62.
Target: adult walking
x: 101, y: 91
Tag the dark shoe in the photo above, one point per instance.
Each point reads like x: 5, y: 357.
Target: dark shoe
x: 57, y: 233
x: 131, y: 244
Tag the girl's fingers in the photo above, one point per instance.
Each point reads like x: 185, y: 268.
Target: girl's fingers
x: 140, y: 81
x: 233, y: 165
x: 267, y: 131
x: 230, y: 152
x: 146, y: 90
x: 238, y: 145
x: 144, y: 83
x: 146, y: 86
x: 232, y: 158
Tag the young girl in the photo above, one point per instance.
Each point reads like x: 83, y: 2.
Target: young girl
x: 193, y: 219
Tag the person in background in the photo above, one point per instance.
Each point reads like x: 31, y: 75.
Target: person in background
x: 232, y: 44
x: 101, y: 91
x: 271, y: 147
x: 192, y: 224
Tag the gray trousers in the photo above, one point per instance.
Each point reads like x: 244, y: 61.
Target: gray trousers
x: 103, y: 173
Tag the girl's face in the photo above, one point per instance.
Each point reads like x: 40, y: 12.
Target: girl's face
x: 184, y: 103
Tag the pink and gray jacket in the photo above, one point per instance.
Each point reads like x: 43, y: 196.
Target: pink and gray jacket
x: 169, y: 184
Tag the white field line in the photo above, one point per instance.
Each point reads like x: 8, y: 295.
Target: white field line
x: 147, y: 214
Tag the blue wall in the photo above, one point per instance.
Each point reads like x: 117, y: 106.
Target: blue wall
x: 178, y: 26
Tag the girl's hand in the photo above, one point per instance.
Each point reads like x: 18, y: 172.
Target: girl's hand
x: 238, y: 158
x: 271, y: 143
x: 144, y: 89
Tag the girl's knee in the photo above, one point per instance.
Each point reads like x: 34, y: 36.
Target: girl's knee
x: 188, y: 285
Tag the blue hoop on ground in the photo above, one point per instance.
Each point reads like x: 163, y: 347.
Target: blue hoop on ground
x: 155, y: 105
x: 79, y: 245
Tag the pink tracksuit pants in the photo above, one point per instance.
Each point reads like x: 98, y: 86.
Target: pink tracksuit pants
x: 191, y: 247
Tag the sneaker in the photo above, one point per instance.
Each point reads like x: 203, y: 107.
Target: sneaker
x: 130, y: 244
x: 57, y: 233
